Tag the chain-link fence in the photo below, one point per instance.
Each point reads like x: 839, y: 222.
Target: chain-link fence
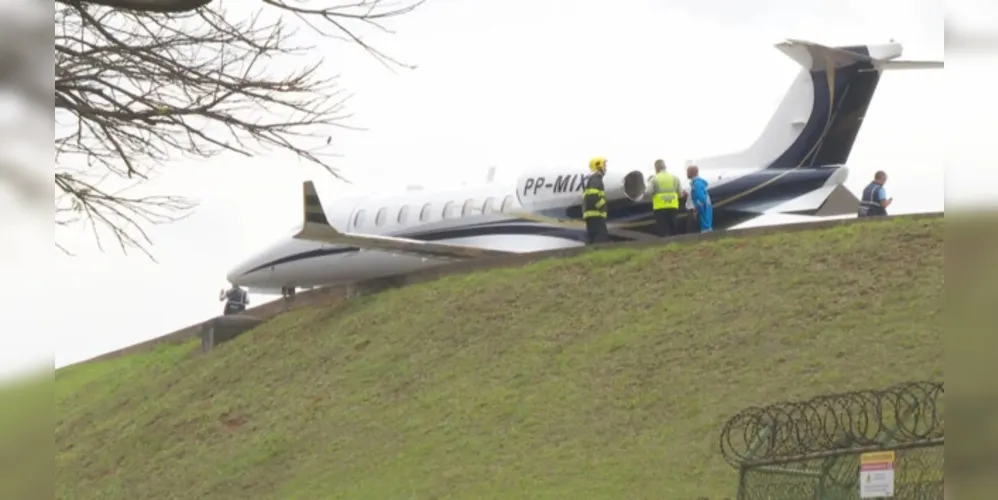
x: 811, y: 450
x: 918, y: 475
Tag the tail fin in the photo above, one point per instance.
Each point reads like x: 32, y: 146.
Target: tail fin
x: 822, y: 112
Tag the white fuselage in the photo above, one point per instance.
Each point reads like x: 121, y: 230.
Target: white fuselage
x: 452, y: 216
x: 307, y: 264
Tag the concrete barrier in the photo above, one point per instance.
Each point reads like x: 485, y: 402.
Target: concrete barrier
x: 225, y: 328
x: 330, y: 295
x: 266, y: 311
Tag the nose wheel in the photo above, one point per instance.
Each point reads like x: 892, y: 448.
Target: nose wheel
x: 287, y: 292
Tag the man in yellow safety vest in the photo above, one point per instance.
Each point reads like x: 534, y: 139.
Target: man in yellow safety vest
x: 665, y: 199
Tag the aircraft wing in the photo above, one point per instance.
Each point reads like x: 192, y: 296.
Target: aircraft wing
x: 316, y: 227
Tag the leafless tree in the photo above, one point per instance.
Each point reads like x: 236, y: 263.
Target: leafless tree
x: 141, y: 82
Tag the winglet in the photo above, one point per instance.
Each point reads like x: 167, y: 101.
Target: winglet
x: 314, y: 212
x: 315, y: 225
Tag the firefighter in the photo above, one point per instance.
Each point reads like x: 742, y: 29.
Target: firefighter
x: 236, y: 299
x: 594, y: 203
x: 665, y: 199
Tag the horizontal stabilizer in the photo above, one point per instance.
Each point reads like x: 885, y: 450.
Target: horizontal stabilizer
x: 805, y: 204
x: 907, y: 64
x: 822, y: 202
x: 316, y: 227
x: 840, y: 202
x: 816, y: 57
x: 825, y: 201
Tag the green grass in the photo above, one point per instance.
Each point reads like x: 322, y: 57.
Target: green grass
x: 26, y: 446
x: 607, y: 375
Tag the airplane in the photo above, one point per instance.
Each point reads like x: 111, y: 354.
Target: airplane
x: 797, y: 165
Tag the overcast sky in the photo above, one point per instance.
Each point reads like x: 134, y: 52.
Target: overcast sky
x: 510, y: 83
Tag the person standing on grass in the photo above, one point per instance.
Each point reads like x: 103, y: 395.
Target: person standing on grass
x: 874, y: 202
x: 594, y: 210
x: 665, y: 199
x: 703, y: 209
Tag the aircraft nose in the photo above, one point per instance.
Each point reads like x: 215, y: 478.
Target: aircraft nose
x: 234, y: 274
x: 240, y: 273
x: 252, y: 269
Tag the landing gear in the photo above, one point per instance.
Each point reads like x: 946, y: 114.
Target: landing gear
x: 287, y: 292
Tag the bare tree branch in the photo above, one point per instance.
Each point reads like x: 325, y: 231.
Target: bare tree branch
x: 141, y: 82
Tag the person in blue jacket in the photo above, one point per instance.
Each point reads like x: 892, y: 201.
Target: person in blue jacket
x: 702, y: 207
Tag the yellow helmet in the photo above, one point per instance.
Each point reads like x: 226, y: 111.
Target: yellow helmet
x: 597, y: 165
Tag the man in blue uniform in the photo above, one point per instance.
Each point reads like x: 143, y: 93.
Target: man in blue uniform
x: 236, y: 299
x: 703, y: 209
x: 874, y: 201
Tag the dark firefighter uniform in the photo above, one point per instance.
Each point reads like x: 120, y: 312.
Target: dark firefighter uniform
x: 665, y: 202
x: 594, y: 203
x: 236, y: 300
x: 871, y: 203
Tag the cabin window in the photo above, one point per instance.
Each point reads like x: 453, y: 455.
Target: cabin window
x: 470, y: 208
x: 380, y: 218
x: 489, y: 206
x: 507, y: 204
x: 358, y: 218
x: 451, y: 210
x: 424, y: 215
x: 403, y: 214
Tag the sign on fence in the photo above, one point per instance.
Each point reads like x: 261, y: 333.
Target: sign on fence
x: 876, y: 474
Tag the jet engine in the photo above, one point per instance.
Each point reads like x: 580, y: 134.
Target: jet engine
x: 556, y: 188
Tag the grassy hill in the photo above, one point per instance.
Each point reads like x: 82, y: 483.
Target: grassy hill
x: 607, y: 375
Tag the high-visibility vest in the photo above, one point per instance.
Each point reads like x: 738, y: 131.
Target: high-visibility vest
x: 236, y: 296
x: 868, y: 204
x: 665, y: 196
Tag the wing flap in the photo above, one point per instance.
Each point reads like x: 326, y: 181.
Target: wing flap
x: 316, y: 227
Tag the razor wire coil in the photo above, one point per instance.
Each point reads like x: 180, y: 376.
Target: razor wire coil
x: 907, y: 412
